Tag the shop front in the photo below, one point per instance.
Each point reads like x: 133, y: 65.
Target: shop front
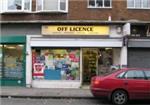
x: 66, y: 62
x: 12, y: 60
x: 69, y: 63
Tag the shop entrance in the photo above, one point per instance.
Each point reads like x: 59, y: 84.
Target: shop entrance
x: 90, y: 63
x: 96, y: 61
x: 12, y: 64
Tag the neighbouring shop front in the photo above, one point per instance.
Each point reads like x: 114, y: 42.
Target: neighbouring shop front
x: 139, y: 53
x: 12, y: 60
x: 69, y: 62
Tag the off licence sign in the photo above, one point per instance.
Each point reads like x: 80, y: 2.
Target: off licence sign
x: 75, y: 30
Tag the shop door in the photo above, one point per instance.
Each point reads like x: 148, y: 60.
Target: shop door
x: 96, y: 61
x: 12, y: 68
x: 90, y: 63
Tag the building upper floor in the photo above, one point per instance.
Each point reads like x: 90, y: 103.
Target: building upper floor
x: 103, y: 10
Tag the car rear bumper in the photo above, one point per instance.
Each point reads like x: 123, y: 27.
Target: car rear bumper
x: 102, y: 93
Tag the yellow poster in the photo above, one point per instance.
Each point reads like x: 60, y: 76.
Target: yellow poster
x: 75, y: 30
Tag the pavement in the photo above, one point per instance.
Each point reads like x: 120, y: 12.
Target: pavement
x: 24, y: 92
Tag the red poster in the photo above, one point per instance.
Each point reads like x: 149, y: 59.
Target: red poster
x: 38, y: 70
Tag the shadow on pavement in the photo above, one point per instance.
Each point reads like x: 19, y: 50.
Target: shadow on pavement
x: 131, y: 102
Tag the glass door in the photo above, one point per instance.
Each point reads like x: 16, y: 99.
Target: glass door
x: 90, y: 64
x: 12, y: 64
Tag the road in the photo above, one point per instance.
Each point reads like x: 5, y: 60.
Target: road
x: 28, y: 101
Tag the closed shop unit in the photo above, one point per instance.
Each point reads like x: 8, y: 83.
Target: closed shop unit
x: 139, y: 53
x: 139, y: 57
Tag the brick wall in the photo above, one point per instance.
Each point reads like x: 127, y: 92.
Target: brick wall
x: 78, y: 11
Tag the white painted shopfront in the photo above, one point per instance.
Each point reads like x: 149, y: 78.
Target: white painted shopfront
x: 42, y: 42
x: 70, y: 62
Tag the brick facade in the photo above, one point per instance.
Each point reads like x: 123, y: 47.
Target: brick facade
x: 78, y: 10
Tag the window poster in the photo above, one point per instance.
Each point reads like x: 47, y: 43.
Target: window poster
x: 56, y: 64
x: 38, y: 70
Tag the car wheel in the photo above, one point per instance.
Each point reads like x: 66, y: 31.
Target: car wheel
x: 119, y: 97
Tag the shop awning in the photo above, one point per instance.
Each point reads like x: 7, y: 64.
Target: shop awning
x: 50, y: 42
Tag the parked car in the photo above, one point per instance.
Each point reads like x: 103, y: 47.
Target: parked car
x: 122, y: 85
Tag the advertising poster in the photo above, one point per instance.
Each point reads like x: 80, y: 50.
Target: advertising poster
x: 38, y: 71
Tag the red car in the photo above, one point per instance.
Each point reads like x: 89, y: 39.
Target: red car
x: 122, y: 85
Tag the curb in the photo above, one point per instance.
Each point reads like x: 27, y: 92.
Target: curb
x: 46, y: 97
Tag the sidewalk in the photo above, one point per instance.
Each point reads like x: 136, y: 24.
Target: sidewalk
x: 23, y: 92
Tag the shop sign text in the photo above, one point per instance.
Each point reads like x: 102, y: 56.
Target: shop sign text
x: 75, y: 30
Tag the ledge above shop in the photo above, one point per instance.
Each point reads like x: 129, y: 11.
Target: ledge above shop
x: 74, y: 21
x: 77, y: 42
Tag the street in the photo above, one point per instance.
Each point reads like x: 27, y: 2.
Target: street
x: 29, y: 101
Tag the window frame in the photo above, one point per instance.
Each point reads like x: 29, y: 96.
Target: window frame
x: 134, y: 7
x: 121, y: 75
x: 88, y: 6
x: 47, y: 11
x: 4, y: 8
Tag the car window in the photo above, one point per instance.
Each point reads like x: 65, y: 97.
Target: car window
x: 130, y: 75
x: 135, y: 74
x: 121, y: 75
x: 147, y: 73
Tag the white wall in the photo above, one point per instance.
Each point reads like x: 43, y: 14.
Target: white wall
x: 124, y: 55
x: 113, y: 31
x: 28, y: 63
x: 116, y: 56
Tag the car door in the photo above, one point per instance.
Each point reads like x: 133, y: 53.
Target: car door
x: 136, y: 84
x: 147, y: 73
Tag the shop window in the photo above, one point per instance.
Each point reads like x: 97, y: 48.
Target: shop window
x: 105, y: 61
x: 11, y: 58
x: 140, y: 31
x: 138, y: 4
x: 52, y: 5
x: 16, y: 5
x: 56, y: 64
x: 97, y: 61
x: 99, y: 3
